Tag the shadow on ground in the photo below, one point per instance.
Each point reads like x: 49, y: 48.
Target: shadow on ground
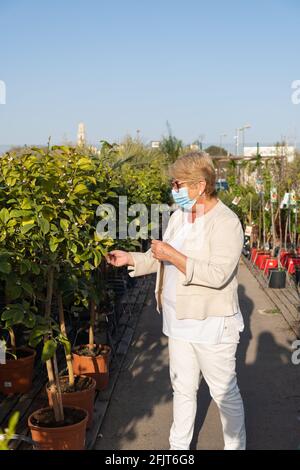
x: 269, y: 385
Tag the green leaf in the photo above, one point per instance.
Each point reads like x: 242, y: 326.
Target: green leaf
x: 26, y: 204
x: 64, y: 223
x: 11, y: 181
x: 86, y: 266
x: 97, y: 258
x: 37, y: 335
x: 73, y: 248
x: 13, y: 421
x: 80, y: 188
x: 49, y: 349
x: 5, y: 267
x: 33, y: 342
x: 18, y: 316
x: 7, y: 314
x: 69, y: 214
x: 53, y: 244
x: 13, y: 291
x: 29, y: 320
x: 12, y: 223
x: 4, y: 215
x: 27, y: 287
x: 45, y: 226
x: 24, y: 266
x: 54, y: 229
x: 26, y: 228
x: 85, y: 163
x: 35, y: 268
x: 19, y: 213
x: 66, y: 343
x: 15, y: 313
x: 27, y: 222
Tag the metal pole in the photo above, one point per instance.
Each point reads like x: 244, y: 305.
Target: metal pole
x: 273, y: 228
x: 237, y: 142
x: 264, y: 221
x: 296, y: 222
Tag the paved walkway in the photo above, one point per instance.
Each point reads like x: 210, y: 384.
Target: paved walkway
x: 140, y: 413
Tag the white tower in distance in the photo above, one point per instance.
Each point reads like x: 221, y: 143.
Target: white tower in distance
x: 81, y: 137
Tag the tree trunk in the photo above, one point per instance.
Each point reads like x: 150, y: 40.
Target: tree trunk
x: 12, y: 341
x: 259, y: 224
x: 286, y: 230
x: 64, y: 333
x: 58, y: 389
x: 56, y: 397
x: 264, y: 221
x: 92, y: 324
x: 295, y: 227
x: 49, y: 296
x: 51, y: 364
x: 280, y: 227
x: 274, y: 235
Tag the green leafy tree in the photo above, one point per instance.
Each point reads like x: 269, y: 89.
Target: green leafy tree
x: 171, y: 146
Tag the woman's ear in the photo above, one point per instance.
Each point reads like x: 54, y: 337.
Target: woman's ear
x: 202, y: 186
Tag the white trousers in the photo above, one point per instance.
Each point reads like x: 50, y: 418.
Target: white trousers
x: 217, y: 364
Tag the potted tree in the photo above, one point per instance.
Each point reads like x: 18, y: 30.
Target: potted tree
x: 18, y: 311
x: 57, y: 220
x: 76, y: 390
x: 16, y: 371
x: 57, y: 427
x: 92, y: 359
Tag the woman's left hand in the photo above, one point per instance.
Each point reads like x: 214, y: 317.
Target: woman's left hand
x: 161, y: 250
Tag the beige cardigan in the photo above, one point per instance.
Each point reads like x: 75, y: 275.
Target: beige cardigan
x: 213, y: 249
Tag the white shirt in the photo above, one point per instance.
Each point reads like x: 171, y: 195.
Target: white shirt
x: 211, y: 330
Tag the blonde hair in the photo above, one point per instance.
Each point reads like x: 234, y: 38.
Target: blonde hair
x: 193, y: 167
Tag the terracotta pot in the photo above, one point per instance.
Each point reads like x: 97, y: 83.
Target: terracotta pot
x: 96, y: 367
x: 80, y: 399
x: 16, y: 375
x: 69, y: 437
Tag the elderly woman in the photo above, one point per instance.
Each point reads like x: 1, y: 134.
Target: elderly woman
x: 196, y: 289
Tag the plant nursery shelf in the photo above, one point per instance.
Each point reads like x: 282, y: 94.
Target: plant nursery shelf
x: 132, y: 304
x: 287, y: 300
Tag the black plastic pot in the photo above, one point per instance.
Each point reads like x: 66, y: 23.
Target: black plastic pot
x: 297, y: 275
x: 277, y: 279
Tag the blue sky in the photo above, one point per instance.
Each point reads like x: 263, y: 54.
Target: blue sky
x: 122, y: 65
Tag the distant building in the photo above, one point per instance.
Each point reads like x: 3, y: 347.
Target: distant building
x: 155, y: 144
x: 81, y: 137
x: 273, y: 151
x: 194, y: 147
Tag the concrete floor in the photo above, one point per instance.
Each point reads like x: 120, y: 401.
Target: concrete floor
x: 140, y: 412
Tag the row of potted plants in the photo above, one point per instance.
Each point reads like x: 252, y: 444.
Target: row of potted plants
x: 51, y: 262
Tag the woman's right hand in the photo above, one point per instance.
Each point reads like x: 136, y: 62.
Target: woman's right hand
x: 119, y: 258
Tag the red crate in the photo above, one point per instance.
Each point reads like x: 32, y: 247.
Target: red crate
x: 291, y: 265
x: 271, y: 263
x: 262, y: 261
